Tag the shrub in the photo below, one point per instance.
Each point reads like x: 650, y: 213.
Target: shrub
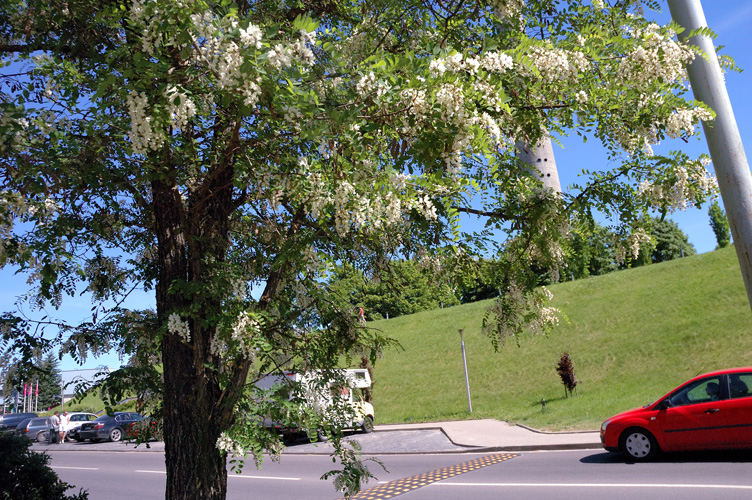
x: 26, y: 475
x: 565, y: 369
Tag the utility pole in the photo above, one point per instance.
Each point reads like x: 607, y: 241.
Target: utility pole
x: 724, y: 141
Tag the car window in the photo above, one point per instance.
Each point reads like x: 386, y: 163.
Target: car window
x: 739, y: 385
x: 700, y: 391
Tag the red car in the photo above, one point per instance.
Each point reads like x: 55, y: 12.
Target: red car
x: 712, y: 411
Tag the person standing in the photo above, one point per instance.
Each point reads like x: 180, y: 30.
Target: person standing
x: 53, y: 428
x: 64, y: 419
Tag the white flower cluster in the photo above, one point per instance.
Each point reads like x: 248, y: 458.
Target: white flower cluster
x: 252, y: 92
x: 680, y: 194
x: 557, y: 64
x: 636, y: 239
x: 425, y: 207
x: 659, y: 57
x: 251, y: 36
x: 178, y: 327
x: 144, y: 134
x: 227, y: 445
x: 244, y: 333
x: 284, y: 56
x: 496, y: 62
x: 683, y: 121
x: 180, y: 107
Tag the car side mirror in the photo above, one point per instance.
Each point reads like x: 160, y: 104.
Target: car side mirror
x: 666, y: 403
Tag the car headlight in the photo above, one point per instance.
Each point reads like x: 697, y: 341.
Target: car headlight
x: 605, y: 424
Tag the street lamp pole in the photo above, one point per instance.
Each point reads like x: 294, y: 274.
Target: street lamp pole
x: 722, y: 133
x: 467, y: 380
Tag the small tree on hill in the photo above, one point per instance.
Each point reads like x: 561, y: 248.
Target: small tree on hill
x: 565, y: 369
x: 720, y: 224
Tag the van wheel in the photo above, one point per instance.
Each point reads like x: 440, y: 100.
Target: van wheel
x: 367, y: 424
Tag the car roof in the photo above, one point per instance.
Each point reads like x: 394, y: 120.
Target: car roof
x: 726, y: 371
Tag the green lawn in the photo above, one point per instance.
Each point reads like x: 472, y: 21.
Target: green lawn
x: 632, y: 335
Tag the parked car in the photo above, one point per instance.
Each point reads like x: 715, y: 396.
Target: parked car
x: 75, y: 420
x: 108, y: 427
x: 33, y: 428
x: 712, y: 411
x: 10, y: 421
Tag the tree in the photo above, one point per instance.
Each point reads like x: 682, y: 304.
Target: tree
x: 43, y: 375
x: 668, y: 242
x: 720, y: 224
x: 590, y: 250
x: 227, y: 156
x: 403, y: 289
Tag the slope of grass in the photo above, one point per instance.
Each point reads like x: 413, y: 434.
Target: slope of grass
x: 632, y: 335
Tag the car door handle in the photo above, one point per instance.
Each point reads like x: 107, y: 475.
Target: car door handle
x: 712, y: 410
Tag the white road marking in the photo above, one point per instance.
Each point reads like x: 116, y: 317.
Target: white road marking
x: 266, y: 477
x: 74, y: 468
x: 600, y: 485
x: 231, y: 476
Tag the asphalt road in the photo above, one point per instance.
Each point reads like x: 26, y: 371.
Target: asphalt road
x: 586, y: 474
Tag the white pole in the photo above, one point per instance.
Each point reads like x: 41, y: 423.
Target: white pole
x: 724, y: 141
x: 467, y: 380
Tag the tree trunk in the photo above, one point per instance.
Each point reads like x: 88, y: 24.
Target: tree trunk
x: 192, y: 424
x: 195, y: 467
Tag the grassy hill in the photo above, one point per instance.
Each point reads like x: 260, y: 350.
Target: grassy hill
x: 633, y: 335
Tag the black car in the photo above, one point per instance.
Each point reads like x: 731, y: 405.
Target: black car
x: 10, y: 421
x: 108, y: 427
x: 33, y: 428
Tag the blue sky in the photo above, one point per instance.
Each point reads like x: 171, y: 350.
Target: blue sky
x: 728, y: 18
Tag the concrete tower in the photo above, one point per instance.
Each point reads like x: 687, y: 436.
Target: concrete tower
x: 541, y: 159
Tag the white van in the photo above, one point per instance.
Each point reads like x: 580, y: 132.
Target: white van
x: 357, y: 380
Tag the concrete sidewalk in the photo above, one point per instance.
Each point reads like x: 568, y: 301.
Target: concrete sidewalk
x: 458, y: 436
x: 495, y: 435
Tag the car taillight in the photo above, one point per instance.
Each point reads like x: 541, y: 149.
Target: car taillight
x: 98, y: 426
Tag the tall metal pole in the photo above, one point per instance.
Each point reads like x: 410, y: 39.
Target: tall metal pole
x: 467, y: 380
x: 724, y: 141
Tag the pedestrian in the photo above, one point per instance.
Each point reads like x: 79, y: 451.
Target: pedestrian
x: 53, y: 427
x: 64, y: 422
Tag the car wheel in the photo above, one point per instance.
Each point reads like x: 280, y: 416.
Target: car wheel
x: 639, y: 444
x: 116, y: 434
x: 41, y: 437
x: 367, y: 425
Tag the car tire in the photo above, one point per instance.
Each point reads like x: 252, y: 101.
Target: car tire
x: 116, y: 435
x: 367, y: 425
x: 41, y: 437
x: 639, y: 444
